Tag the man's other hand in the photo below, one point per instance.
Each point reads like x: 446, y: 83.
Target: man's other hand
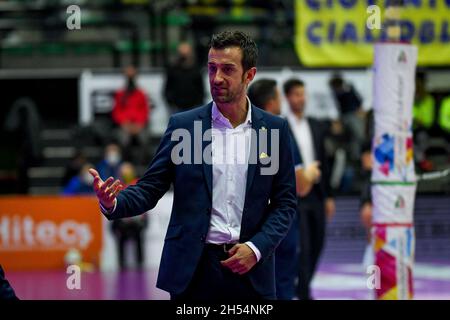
x: 106, y: 191
x: 241, y: 260
x: 312, y: 172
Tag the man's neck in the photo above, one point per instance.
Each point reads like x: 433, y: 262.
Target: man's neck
x: 235, y: 112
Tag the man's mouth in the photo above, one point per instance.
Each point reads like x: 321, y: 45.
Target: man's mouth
x: 220, y: 90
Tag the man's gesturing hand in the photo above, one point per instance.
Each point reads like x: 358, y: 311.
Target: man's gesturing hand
x: 106, y: 191
x: 241, y: 260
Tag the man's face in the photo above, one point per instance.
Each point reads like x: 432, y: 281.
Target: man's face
x: 227, y: 79
x: 297, y: 99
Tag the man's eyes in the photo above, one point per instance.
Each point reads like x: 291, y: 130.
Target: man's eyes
x: 227, y: 70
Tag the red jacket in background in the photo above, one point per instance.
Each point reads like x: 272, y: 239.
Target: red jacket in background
x: 131, y: 108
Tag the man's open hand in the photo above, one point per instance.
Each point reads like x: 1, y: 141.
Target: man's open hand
x: 106, y: 191
x: 241, y: 260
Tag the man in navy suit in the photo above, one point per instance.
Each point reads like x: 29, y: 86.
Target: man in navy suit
x: 234, y: 202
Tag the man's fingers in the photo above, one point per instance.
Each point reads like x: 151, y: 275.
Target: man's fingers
x: 114, y: 193
x: 94, y: 173
x: 230, y: 261
x: 233, y: 250
x: 97, y: 180
x: 239, y: 269
x: 106, y: 184
x: 234, y: 264
x: 117, y: 189
x: 113, y: 186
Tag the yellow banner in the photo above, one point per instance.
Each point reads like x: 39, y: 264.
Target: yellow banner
x: 342, y: 32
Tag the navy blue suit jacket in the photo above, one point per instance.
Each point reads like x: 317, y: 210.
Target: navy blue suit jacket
x: 270, y: 201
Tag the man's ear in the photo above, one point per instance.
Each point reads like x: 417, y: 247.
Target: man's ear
x: 249, y: 75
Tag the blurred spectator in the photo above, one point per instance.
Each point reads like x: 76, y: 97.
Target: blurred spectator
x: 184, y: 82
x: 130, y: 228
x: 349, y: 104
x: 81, y: 183
x: 74, y: 167
x: 24, y: 121
x: 365, y: 209
x: 318, y: 205
x: 366, y: 172
x: 110, y: 165
x: 131, y: 113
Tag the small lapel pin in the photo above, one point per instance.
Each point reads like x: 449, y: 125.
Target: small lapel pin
x: 263, y: 155
x: 263, y: 128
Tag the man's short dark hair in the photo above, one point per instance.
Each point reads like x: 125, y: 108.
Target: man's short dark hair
x: 261, y: 91
x: 227, y: 39
x: 291, y: 84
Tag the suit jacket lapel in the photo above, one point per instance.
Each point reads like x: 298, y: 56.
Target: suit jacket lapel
x: 207, y: 167
x: 257, y: 124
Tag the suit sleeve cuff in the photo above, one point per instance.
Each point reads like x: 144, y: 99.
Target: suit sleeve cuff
x: 255, y: 250
x: 110, y: 211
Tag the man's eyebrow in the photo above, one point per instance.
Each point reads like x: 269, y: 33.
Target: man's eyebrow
x: 229, y: 64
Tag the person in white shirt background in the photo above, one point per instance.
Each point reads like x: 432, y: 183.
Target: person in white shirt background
x: 318, y: 205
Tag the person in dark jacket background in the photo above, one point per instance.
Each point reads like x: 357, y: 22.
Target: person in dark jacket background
x: 184, y: 87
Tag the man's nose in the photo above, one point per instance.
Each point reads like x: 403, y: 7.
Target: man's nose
x: 218, y: 78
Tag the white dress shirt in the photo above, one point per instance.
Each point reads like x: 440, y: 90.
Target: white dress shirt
x: 302, y: 133
x: 230, y: 152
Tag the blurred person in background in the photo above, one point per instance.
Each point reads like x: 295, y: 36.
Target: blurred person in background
x: 81, y: 183
x: 25, y: 123
x: 365, y: 208
x: 74, y: 167
x: 264, y: 93
x: 6, y: 291
x: 318, y: 205
x: 184, y: 87
x: 131, y: 113
x: 112, y: 160
x: 129, y: 228
x: 350, y: 108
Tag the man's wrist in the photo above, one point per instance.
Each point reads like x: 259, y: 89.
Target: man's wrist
x: 110, y: 210
x: 255, y: 250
